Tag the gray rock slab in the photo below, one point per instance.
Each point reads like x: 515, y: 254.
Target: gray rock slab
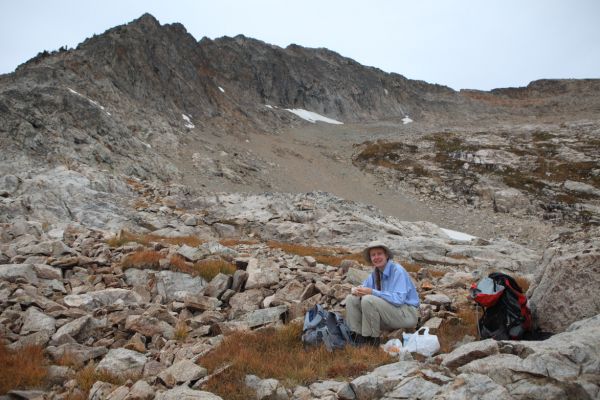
x: 78, y: 353
x: 122, y: 361
x: 568, y: 285
x: 474, y: 386
x: 260, y: 275
x: 182, y: 371
x: 414, y: 387
x: 469, y: 352
x: 185, y: 393
x: 356, y: 276
x: 265, y: 316
x: 15, y: 273
x: 80, y: 328
x: 102, y: 298
x: 174, y: 286
x: 382, y: 380
x: 34, y: 321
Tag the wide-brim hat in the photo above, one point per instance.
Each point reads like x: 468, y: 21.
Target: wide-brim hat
x: 375, y: 244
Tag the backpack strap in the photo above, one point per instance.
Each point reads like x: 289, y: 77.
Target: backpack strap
x: 344, y: 329
x: 327, y: 339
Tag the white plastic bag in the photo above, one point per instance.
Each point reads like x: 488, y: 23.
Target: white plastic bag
x: 393, y: 347
x: 424, y: 343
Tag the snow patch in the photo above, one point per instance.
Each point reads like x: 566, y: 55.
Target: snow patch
x: 269, y: 106
x: 312, y: 116
x: 455, y: 235
x: 406, y: 120
x: 221, y: 89
x: 188, y: 122
x: 90, y: 100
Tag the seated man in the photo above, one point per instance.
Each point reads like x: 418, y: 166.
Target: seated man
x: 387, y: 299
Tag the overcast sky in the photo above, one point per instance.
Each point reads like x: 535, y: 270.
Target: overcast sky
x: 477, y: 44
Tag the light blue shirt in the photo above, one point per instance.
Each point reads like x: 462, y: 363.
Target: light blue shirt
x: 396, y: 286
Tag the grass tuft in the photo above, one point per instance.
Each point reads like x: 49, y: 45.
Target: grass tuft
x: 88, y: 375
x: 22, y: 369
x: 208, y: 269
x: 454, y: 330
x: 143, y: 259
x: 230, y: 242
x: 181, y: 331
x: 278, y: 353
x: 125, y: 237
x: 325, y: 255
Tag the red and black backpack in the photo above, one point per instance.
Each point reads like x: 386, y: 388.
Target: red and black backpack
x: 506, y: 312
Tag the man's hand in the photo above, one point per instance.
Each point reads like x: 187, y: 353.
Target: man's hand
x: 361, y: 291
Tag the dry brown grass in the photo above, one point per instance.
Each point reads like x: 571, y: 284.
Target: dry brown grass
x: 436, y: 273
x: 409, y: 266
x: 234, y: 242
x: 150, y: 259
x: 68, y: 359
x: 145, y: 239
x: 143, y: 259
x: 325, y: 255
x: 278, y: 353
x: 178, y: 263
x: 87, y: 376
x: 208, y: 269
x: 181, y: 331
x: 22, y: 369
x: 453, y: 331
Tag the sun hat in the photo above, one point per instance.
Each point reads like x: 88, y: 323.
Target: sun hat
x: 375, y: 244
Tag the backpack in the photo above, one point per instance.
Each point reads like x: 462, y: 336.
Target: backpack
x: 324, y: 327
x: 506, y: 312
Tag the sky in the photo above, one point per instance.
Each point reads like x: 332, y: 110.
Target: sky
x: 463, y: 44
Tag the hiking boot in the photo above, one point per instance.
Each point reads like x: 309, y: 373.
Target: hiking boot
x: 373, y: 341
x: 357, y: 339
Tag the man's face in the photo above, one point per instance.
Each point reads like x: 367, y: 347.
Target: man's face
x: 378, y: 257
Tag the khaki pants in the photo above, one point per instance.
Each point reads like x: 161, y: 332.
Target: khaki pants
x: 368, y: 315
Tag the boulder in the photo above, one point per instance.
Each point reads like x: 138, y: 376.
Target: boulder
x: 185, y: 393
x: 102, y: 298
x: 266, y: 389
x: 509, y: 200
x: 474, y: 386
x: 180, y: 372
x: 244, y: 302
x: 122, y: 362
x: 149, y: 326
x: 75, y: 353
x: 260, y: 275
x: 563, y: 366
x: 469, y: 352
x: 567, y: 289
x: 218, y: 285
x: 140, y: 390
x: 34, y: 321
x: 79, y: 329
x: 382, y: 380
x: 174, y: 286
x: 15, y: 273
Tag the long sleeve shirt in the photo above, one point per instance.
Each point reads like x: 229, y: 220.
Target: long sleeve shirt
x: 396, y: 286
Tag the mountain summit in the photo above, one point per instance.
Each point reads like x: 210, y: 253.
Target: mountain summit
x: 149, y: 101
